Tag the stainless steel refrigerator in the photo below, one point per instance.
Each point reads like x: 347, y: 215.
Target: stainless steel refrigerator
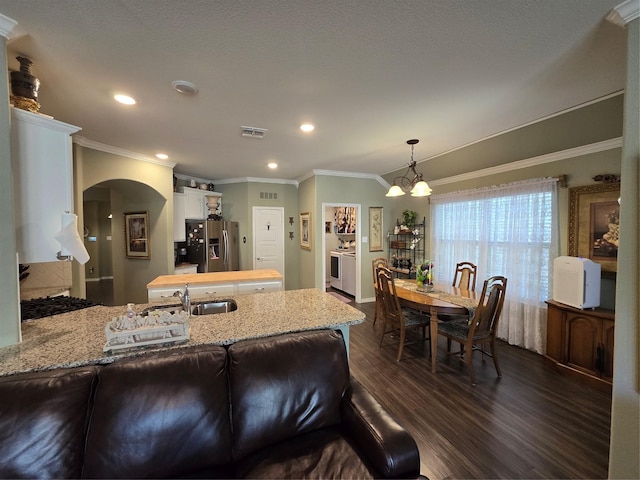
x: 213, y: 245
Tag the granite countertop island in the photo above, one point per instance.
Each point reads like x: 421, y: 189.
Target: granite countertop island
x: 77, y: 338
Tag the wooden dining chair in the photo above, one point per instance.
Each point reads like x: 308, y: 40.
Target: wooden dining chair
x: 465, y: 276
x: 375, y: 263
x: 394, y: 318
x: 465, y: 279
x: 481, y: 329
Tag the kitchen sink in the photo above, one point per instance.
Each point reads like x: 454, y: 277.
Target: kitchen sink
x: 213, y: 306
x: 207, y: 307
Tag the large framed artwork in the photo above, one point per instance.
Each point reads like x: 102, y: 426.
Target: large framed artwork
x: 305, y: 230
x: 375, y: 229
x: 594, y: 222
x: 136, y: 235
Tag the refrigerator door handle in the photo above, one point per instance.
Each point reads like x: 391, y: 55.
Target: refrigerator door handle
x: 225, y: 240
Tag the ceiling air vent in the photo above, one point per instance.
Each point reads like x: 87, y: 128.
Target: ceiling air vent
x: 253, y: 132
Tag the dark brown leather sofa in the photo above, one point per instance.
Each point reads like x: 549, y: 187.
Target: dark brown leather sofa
x: 280, y: 407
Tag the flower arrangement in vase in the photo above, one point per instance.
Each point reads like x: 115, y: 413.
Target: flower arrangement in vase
x: 424, y: 275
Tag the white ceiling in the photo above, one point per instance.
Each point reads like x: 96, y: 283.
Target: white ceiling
x: 369, y: 73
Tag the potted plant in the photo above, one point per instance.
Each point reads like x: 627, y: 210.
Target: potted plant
x: 409, y: 218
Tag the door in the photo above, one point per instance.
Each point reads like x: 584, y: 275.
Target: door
x: 215, y: 242
x: 231, y: 246
x: 583, y: 336
x: 196, y: 246
x: 268, y: 238
x: 608, y: 330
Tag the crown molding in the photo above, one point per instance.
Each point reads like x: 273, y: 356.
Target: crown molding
x: 533, y: 161
x: 281, y: 181
x: 336, y: 173
x: 10, y: 29
x: 83, y: 142
x: 624, y: 13
x: 517, y: 127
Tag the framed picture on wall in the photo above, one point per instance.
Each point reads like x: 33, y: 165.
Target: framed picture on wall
x: 594, y: 223
x: 375, y: 229
x: 305, y: 230
x: 136, y: 235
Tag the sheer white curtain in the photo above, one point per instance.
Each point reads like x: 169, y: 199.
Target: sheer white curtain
x: 509, y: 230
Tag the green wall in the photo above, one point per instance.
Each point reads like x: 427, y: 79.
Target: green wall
x: 238, y: 200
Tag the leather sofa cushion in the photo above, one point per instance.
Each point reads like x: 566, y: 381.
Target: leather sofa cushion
x: 278, y: 393
x: 161, y: 415
x: 320, y: 454
x: 43, y: 417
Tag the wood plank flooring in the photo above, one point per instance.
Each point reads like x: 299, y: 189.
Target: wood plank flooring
x: 531, y: 423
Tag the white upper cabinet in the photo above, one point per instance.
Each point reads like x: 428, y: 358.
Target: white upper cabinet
x: 196, y: 203
x: 179, y: 208
x: 41, y: 154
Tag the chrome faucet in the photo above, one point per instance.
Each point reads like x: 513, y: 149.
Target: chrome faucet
x: 185, y: 298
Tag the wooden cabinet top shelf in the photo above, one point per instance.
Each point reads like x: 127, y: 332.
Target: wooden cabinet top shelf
x: 592, y: 312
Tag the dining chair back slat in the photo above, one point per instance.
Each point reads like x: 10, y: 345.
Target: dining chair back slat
x: 465, y: 276
x: 375, y: 264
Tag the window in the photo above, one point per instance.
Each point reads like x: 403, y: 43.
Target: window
x: 508, y: 230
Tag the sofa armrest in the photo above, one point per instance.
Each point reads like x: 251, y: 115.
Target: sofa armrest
x: 388, y: 446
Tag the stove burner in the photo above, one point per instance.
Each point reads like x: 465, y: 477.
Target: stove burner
x: 45, y: 307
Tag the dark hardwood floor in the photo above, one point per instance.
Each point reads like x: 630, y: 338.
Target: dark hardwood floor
x: 100, y: 292
x: 531, y: 423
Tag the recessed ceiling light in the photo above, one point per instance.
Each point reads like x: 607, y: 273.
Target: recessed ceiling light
x: 184, y: 87
x: 162, y: 156
x: 307, y: 127
x: 272, y: 165
x: 124, y: 99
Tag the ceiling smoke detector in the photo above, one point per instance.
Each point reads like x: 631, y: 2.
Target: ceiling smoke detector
x: 184, y: 87
x: 253, y: 132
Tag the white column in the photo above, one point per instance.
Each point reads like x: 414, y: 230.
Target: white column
x: 9, y: 290
x: 625, y: 406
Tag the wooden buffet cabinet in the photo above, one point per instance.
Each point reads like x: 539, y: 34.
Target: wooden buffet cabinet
x: 580, y: 343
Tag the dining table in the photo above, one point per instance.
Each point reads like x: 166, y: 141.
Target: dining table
x: 440, y: 299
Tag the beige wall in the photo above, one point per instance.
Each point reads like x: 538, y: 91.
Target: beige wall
x: 135, y: 186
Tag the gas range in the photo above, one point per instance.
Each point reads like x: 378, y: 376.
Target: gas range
x: 47, y: 306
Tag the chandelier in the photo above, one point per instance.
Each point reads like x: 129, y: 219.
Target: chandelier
x: 415, y: 184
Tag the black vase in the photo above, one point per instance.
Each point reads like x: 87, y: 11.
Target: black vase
x: 23, y: 84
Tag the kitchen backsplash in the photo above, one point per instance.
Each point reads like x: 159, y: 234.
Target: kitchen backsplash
x: 48, y: 274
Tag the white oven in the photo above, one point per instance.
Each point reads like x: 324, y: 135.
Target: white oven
x: 336, y: 270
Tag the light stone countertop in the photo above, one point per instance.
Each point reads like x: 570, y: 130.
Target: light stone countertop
x: 78, y: 338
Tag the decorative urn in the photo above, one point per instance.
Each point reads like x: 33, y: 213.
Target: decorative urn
x: 24, y: 87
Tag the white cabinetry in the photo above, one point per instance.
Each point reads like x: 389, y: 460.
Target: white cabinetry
x: 195, y: 203
x: 185, y: 270
x: 41, y: 155
x: 259, y: 287
x: 179, y: 209
x: 199, y: 292
x: 349, y: 273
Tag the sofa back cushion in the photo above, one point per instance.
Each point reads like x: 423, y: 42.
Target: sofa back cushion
x: 43, y: 417
x: 160, y: 415
x: 283, y: 386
